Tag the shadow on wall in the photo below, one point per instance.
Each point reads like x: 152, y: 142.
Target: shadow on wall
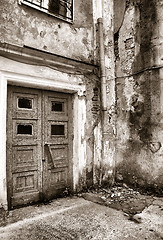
x: 141, y: 122
x: 140, y: 113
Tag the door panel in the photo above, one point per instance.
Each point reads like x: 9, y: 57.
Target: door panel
x: 26, y: 104
x: 39, y: 135
x: 24, y: 157
x: 23, y: 146
x: 56, y: 176
x: 25, y: 131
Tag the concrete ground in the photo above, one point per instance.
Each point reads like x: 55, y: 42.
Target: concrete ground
x: 77, y: 218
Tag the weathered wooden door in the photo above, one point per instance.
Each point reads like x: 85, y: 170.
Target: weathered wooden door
x: 39, y: 136
x: 57, y: 143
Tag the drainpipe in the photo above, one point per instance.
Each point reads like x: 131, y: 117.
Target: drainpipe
x: 103, y: 90
x: 102, y: 64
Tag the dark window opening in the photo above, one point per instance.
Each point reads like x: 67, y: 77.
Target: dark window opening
x: 61, y: 8
x: 58, y: 7
x: 57, y: 130
x: 25, y: 103
x: 24, y: 129
x: 57, y: 107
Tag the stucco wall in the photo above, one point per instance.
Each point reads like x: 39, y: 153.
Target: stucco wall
x: 138, y: 46
x: 23, y: 25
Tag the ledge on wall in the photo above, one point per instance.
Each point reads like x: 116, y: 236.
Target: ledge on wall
x: 30, y: 55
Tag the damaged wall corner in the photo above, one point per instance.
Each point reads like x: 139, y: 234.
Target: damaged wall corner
x: 138, y: 96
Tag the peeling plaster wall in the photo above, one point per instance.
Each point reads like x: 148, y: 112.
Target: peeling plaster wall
x: 23, y: 25
x: 87, y: 166
x: 138, y: 46
x: 104, y: 131
x: 109, y: 119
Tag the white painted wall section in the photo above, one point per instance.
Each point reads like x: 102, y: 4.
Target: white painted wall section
x: 81, y: 137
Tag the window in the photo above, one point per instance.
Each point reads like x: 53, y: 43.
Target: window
x: 24, y: 129
x: 59, y: 8
x: 57, y: 106
x: 24, y: 103
x: 57, y: 130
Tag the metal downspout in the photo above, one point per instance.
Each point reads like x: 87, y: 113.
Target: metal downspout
x: 102, y: 64
x: 103, y: 91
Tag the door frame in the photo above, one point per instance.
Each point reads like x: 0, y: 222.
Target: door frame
x: 38, y: 82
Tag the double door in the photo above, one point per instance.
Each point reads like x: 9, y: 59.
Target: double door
x: 39, y: 145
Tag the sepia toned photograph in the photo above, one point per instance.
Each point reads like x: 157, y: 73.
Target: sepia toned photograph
x: 81, y: 119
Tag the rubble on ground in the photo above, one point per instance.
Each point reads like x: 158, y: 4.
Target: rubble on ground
x: 122, y: 197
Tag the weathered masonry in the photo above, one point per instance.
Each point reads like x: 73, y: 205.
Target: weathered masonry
x: 138, y: 44
x: 80, y: 96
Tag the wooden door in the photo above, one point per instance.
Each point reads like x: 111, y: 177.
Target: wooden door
x: 38, y: 145
x: 57, y: 175
x: 23, y: 146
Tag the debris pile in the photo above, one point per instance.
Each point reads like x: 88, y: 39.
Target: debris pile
x: 121, y: 197
x: 118, y: 194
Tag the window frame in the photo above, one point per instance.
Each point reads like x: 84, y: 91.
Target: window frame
x: 45, y: 10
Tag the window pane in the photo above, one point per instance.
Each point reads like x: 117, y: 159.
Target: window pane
x: 57, y: 130
x: 25, y: 103
x: 58, y: 7
x: 57, y: 106
x: 54, y: 6
x: 24, y: 129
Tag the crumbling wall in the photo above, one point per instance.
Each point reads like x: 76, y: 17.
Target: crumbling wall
x: 88, y: 146
x: 104, y: 131
x: 22, y: 25
x: 109, y: 118
x: 138, y: 65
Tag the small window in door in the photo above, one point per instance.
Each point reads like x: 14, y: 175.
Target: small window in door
x: 24, y: 103
x: 57, y: 106
x: 24, y: 129
x: 57, y: 130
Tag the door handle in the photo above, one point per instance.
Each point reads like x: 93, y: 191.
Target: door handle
x: 50, y: 154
